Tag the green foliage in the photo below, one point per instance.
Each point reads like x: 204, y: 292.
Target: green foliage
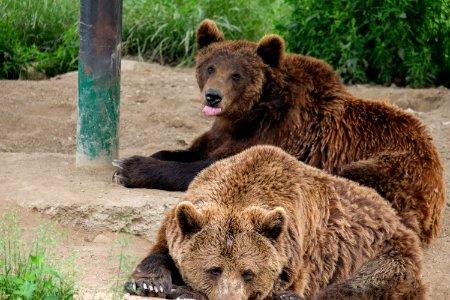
x: 14, y: 56
x: 123, y: 264
x: 63, y: 58
x: 38, y: 34
x: 164, y: 31
x: 33, y: 273
x: 395, y: 41
x: 42, y: 35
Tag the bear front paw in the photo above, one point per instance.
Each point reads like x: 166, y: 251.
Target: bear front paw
x: 134, y: 171
x: 286, y: 295
x: 145, y: 287
x: 151, y: 287
x: 185, y: 292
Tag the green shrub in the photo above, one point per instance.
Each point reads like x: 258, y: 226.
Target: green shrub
x: 395, y: 41
x: 64, y: 57
x: 30, y: 272
x: 15, y: 56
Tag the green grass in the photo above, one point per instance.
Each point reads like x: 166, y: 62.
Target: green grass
x: 394, y: 41
x: 42, y: 35
x: 39, y: 34
x: 32, y: 272
x: 123, y: 263
x: 36, y: 270
x: 164, y: 31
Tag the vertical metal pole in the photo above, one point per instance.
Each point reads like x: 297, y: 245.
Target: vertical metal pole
x: 99, y: 82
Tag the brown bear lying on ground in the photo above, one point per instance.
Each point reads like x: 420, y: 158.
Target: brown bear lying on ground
x: 262, y: 225
x: 261, y: 95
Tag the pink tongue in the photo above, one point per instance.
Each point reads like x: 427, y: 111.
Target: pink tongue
x: 211, y: 111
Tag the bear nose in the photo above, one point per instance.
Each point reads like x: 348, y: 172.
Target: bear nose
x: 213, y: 97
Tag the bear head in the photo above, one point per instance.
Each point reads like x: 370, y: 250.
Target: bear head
x: 230, y: 254
x: 232, y: 74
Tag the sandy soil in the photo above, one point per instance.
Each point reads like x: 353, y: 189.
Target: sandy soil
x: 160, y: 109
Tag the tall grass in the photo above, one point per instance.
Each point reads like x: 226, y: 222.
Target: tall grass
x: 123, y: 263
x: 164, y: 31
x: 41, y: 34
x: 396, y: 41
x: 31, y: 272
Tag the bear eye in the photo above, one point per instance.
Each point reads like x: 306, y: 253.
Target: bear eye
x: 235, y: 77
x: 215, y: 272
x: 210, y: 70
x: 248, y: 275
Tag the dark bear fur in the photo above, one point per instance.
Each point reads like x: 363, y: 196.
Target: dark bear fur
x: 262, y: 225
x: 261, y: 95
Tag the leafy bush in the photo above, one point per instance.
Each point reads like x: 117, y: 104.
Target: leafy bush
x: 397, y: 41
x: 34, y: 273
x: 14, y: 56
x: 63, y: 58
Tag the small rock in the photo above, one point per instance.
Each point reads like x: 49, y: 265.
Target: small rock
x: 101, y: 239
x: 181, y: 142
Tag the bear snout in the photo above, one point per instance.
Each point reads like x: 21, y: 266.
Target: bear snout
x: 213, y: 97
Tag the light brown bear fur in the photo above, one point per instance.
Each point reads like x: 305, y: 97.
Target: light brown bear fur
x: 299, y: 104
x: 262, y: 223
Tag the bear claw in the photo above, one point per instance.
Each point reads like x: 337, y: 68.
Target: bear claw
x: 131, y: 288
x: 117, y: 178
x: 144, y: 288
x: 118, y: 163
x: 288, y: 295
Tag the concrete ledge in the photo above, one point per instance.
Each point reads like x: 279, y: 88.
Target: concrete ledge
x: 51, y: 184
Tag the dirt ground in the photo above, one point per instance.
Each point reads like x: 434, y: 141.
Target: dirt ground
x: 160, y: 109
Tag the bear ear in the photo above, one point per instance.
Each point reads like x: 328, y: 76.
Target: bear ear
x: 208, y: 33
x: 272, y: 223
x: 271, y: 49
x: 188, y: 218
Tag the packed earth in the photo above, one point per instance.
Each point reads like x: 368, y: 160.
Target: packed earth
x: 160, y: 109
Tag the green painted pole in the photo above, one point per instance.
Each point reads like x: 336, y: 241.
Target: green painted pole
x: 99, y: 82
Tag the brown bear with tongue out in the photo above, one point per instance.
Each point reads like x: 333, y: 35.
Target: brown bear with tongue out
x: 258, y: 94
